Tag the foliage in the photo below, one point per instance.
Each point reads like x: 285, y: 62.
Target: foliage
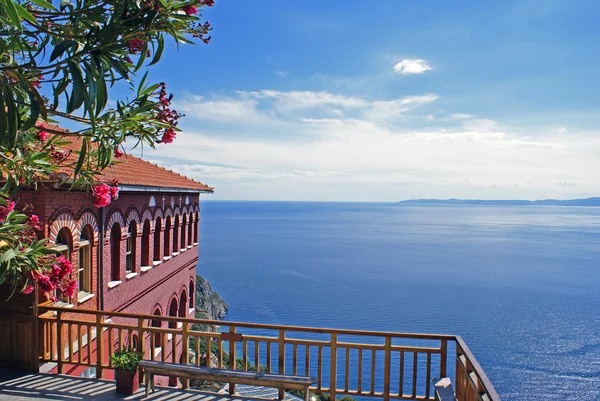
x: 63, y: 62
x: 126, y: 358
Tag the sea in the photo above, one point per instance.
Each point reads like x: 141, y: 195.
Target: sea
x: 520, y: 284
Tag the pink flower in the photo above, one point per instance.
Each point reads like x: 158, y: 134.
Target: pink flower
x: 101, y: 194
x: 45, y: 282
x: 114, y: 192
x: 70, y: 289
x: 42, y: 135
x: 27, y: 290
x: 5, y: 210
x: 35, y: 223
x: 168, y: 136
x: 190, y: 10
x: 118, y: 152
x: 65, y: 267
x: 135, y: 46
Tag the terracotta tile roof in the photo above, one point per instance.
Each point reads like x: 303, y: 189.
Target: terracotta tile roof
x: 131, y: 170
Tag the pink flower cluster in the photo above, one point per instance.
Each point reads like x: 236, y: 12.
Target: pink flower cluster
x: 35, y: 222
x: 41, y: 134
x: 56, y: 279
x: 166, y: 115
x: 135, y: 46
x: 118, y: 153
x: 103, y: 194
x: 190, y: 10
x: 5, y: 210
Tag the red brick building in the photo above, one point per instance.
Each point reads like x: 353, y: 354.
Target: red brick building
x: 139, y: 253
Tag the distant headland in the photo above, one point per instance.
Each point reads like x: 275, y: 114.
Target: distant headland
x: 595, y: 201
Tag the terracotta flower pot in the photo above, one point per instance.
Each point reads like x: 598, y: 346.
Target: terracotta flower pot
x: 128, y: 381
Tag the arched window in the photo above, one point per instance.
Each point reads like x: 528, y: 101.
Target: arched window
x: 115, y: 252
x: 64, y: 243
x: 157, y: 228
x: 176, y: 235
x: 183, y: 304
x: 173, y: 313
x: 190, y: 236
x: 130, y: 250
x: 84, y: 262
x: 192, y: 292
x: 183, y: 232
x: 146, y: 257
x: 156, y: 323
x: 167, y: 242
x: 196, y: 224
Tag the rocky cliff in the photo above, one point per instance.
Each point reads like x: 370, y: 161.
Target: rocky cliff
x: 209, y: 304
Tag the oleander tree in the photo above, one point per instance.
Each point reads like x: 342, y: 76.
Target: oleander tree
x: 61, y: 61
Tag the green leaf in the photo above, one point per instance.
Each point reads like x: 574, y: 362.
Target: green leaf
x: 82, y: 154
x: 159, y: 50
x: 8, y: 255
x: 12, y: 13
x: 23, y: 13
x: 34, y: 112
x: 78, y: 92
x: 61, y: 48
x: 44, y: 4
x: 117, y: 66
x: 66, y: 4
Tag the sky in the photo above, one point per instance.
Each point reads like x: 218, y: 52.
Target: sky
x: 389, y: 100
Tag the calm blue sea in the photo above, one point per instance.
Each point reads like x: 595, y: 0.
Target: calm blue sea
x: 520, y: 284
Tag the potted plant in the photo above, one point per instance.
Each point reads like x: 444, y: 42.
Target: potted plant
x: 125, y: 363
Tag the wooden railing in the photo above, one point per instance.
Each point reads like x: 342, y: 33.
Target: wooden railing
x: 343, y: 362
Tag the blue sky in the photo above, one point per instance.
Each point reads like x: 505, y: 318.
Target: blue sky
x: 389, y: 100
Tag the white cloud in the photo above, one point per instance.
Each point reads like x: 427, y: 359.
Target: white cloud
x: 412, y: 66
x: 326, y: 146
x: 282, y: 74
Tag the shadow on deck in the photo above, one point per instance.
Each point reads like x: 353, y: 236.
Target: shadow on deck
x: 21, y: 386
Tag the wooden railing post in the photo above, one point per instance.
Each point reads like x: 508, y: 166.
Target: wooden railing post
x: 59, y: 344
x: 232, y: 358
x: 333, y: 368
x: 99, y: 346
x: 387, y: 368
x: 185, y: 351
x: 281, y: 357
x: 443, y: 358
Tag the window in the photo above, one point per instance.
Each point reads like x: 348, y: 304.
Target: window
x: 182, y: 304
x: 146, y: 257
x: 173, y: 313
x: 130, y: 250
x: 156, y: 337
x: 63, y: 245
x: 115, y: 252
x: 176, y: 235
x: 192, y: 294
x: 167, y: 244
x: 157, y: 228
x: 183, y: 228
x: 84, y: 264
x: 190, y: 231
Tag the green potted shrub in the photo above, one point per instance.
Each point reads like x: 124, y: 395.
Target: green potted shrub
x: 125, y: 363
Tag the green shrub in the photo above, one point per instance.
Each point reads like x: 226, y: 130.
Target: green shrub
x: 126, y: 358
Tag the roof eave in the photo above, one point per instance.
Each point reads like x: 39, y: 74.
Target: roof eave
x: 143, y: 188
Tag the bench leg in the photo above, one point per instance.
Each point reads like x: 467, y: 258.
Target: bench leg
x: 306, y: 394
x: 231, y: 388
x: 281, y: 394
x: 147, y: 378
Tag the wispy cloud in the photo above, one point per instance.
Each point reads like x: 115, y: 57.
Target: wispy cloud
x: 282, y: 74
x: 412, y: 66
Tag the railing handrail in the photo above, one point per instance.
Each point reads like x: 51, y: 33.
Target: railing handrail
x: 366, y: 333
x: 491, y: 391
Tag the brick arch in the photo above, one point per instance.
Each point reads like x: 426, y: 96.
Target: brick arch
x: 175, y: 299
x: 64, y: 219
x: 160, y: 309
x: 182, y: 308
x: 177, y: 212
x: 168, y: 212
x: 87, y: 218
x: 147, y: 215
x: 184, y: 210
x: 133, y: 215
x: 196, y: 207
x: 115, y: 217
x: 159, y: 213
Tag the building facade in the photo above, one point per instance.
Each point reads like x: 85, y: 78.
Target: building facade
x: 139, y: 253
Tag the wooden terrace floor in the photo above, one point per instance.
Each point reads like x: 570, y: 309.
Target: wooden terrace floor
x: 19, y: 386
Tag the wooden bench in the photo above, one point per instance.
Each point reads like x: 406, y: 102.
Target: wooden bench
x: 279, y: 381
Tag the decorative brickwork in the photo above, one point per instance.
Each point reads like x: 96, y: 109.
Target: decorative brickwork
x: 87, y: 218
x: 65, y: 219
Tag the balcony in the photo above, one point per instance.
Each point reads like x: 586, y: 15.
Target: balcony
x: 382, y: 365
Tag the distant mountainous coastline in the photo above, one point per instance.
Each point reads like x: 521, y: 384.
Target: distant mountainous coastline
x: 595, y: 201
